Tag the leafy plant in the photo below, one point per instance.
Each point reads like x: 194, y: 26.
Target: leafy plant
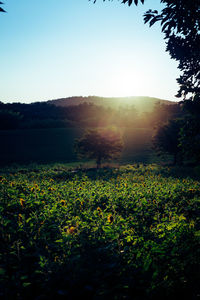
x: 131, y: 232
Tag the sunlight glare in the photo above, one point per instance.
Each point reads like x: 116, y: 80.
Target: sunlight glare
x: 126, y: 82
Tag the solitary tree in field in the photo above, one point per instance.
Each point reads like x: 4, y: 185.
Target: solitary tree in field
x: 100, y: 144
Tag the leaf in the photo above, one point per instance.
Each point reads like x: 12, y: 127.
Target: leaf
x: 147, y: 263
x: 130, y: 2
x: 155, y: 275
x: 26, y: 284
x: 28, y: 220
x: 129, y: 238
x: 197, y: 233
x: 24, y: 277
x: 2, y: 10
x: 59, y: 241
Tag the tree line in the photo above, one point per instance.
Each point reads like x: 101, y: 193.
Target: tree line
x: 46, y: 115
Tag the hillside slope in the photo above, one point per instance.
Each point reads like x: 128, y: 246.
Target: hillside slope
x: 141, y: 103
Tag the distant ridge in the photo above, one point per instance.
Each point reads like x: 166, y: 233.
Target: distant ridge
x: 141, y: 103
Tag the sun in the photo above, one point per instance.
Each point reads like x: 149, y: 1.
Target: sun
x: 126, y: 81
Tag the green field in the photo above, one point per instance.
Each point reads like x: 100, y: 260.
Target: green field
x: 124, y: 233
x: 37, y: 145
x: 56, y: 145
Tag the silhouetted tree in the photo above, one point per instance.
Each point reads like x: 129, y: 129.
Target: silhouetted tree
x: 166, y: 139
x: 100, y: 144
x: 190, y: 138
x: 180, y: 22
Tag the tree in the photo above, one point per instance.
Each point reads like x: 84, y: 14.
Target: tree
x: 190, y: 139
x: 100, y: 144
x: 166, y: 139
x: 180, y: 22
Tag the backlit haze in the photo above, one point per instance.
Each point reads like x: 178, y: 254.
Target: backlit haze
x: 56, y: 49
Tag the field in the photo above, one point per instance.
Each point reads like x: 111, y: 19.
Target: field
x: 115, y: 233
x: 38, y: 145
x: 56, y: 145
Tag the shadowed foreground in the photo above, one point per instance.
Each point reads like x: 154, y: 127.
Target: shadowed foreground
x: 128, y: 233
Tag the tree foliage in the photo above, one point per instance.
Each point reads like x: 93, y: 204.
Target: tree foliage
x: 100, y: 144
x: 127, y: 1
x: 1, y: 9
x: 166, y: 139
x: 180, y: 23
x: 190, y: 139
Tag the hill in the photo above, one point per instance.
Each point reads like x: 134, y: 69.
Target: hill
x: 141, y: 103
x: 92, y: 111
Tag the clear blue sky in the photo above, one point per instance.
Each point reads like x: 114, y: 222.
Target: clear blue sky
x: 55, y: 49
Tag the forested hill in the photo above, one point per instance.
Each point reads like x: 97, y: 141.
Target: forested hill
x: 90, y: 111
x: 141, y: 103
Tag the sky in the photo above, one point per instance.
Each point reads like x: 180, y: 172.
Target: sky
x: 57, y: 49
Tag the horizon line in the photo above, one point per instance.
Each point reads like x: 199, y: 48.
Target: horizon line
x: 89, y: 96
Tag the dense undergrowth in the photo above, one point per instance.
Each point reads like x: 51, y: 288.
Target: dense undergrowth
x: 127, y: 233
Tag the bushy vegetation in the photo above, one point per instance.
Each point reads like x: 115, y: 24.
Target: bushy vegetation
x: 127, y: 233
